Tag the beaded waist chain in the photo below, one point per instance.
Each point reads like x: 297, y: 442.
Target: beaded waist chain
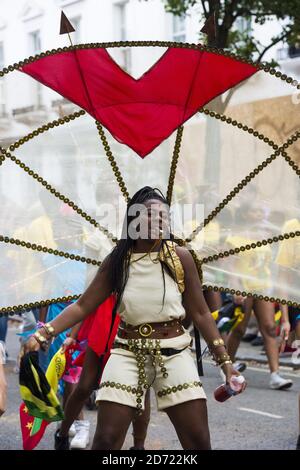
x: 163, y: 351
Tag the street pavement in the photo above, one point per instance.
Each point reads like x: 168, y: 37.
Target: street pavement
x: 259, y: 418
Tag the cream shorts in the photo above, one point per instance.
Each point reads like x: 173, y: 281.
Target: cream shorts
x: 120, y: 378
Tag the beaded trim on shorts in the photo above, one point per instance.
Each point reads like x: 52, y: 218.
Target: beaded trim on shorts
x: 123, y: 387
x: 167, y: 391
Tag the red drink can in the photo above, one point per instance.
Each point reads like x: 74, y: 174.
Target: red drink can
x: 225, y: 391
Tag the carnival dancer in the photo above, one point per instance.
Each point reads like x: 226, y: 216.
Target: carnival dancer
x: 156, y: 283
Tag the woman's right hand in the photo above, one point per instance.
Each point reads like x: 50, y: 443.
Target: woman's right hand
x: 31, y: 345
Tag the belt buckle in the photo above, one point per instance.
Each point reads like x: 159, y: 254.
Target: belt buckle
x: 145, y: 330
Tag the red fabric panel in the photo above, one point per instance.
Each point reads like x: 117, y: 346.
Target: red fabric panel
x: 86, y: 326
x: 99, y: 332
x: 96, y: 327
x: 143, y: 112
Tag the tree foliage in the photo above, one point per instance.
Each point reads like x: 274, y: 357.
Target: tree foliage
x: 230, y: 12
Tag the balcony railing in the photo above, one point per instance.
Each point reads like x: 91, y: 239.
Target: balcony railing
x: 27, y: 109
x: 59, y: 102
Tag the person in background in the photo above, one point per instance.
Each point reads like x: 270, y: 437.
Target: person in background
x: 3, y: 329
x: 69, y: 278
x: 288, y: 260
x: 254, y: 269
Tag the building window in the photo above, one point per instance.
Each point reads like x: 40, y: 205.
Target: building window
x: 121, y: 34
x: 35, y: 47
x: 294, y: 51
x: 35, y: 42
x: 289, y: 52
x: 179, y: 29
x: 120, y: 21
x: 76, y: 23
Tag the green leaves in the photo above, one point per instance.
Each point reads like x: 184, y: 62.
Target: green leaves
x: 236, y: 19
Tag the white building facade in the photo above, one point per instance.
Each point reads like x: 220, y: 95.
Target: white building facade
x: 28, y: 27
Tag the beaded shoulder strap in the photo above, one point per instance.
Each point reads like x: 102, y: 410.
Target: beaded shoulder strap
x: 170, y: 257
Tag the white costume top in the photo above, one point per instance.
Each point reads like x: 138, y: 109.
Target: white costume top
x: 143, y: 298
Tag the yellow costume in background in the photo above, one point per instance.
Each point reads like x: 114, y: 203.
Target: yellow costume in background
x: 32, y: 270
x: 289, y: 250
x: 253, y: 266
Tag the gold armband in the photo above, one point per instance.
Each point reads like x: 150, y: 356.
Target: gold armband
x: 217, y: 342
x: 221, y: 359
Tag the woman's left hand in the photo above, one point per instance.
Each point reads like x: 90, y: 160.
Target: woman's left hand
x: 230, y: 371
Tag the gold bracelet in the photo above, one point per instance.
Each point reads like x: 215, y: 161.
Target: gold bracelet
x: 222, y: 358
x: 49, y: 329
x: 217, y: 342
x: 40, y: 338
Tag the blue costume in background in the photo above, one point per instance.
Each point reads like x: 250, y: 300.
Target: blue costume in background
x: 73, y: 280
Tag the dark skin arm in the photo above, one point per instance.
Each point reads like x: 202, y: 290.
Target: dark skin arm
x: 71, y: 339
x: 197, y: 309
x: 75, y: 330
x: 43, y: 314
x: 97, y: 292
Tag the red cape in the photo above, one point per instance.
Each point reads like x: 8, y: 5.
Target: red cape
x: 96, y: 329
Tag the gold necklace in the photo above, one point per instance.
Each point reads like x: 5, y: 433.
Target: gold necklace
x: 148, y: 254
x: 138, y: 259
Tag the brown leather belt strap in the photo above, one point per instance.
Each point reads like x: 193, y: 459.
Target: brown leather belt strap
x: 169, y: 323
